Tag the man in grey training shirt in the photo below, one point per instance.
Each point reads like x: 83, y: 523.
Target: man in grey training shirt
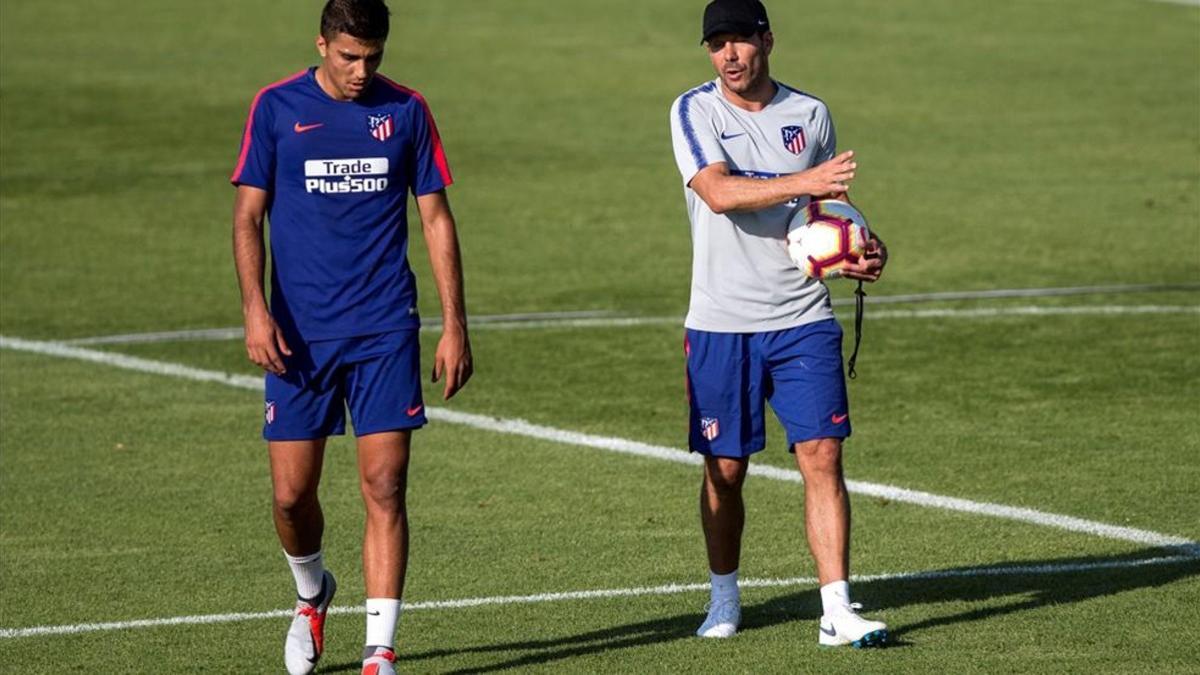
x: 752, y: 151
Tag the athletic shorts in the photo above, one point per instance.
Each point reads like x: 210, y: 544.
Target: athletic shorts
x: 730, y: 375
x: 377, y: 376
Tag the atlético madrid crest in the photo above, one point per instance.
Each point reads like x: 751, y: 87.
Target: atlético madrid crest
x: 710, y: 428
x: 381, y: 126
x: 269, y: 412
x: 793, y: 139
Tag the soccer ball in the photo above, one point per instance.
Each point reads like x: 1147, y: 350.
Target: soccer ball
x: 826, y: 236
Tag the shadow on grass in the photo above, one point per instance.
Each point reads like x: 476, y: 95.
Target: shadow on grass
x: 1062, y: 581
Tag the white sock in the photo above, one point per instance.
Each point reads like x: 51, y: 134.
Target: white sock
x: 724, y: 586
x: 382, y: 616
x: 309, y: 571
x: 835, y: 596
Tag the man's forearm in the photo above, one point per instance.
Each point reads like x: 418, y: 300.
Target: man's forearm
x: 446, y: 260
x: 724, y: 192
x: 248, y: 258
x: 739, y: 193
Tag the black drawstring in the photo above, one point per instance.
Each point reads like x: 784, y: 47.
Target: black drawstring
x: 859, y: 296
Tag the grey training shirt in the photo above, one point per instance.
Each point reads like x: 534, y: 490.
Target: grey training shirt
x: 742, y: 278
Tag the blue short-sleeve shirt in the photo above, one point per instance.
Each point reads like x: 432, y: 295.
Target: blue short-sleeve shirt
x: 339, y: 174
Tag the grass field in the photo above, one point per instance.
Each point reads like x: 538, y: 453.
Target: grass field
x: 1022, y: 145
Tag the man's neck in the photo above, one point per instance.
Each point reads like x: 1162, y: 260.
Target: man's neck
x: 754, y: 100
x: 326, y: 85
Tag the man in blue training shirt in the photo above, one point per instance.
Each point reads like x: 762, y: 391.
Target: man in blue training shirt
x: 329, y: 156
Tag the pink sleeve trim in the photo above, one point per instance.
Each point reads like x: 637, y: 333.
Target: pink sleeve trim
x: 241, y: 164
x: 439, y: 154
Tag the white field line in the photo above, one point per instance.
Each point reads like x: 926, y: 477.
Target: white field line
x: 606, y: 319
x: 197, y: 335
x: 1031, y: 310
x: 235, y: 332
x: 224, y: 334
x: 1188, y: 3
x: 971, y: 313
x: 999, y: 293
x: 522, y: 428
x: 526, y: 429
x: 669, y: 589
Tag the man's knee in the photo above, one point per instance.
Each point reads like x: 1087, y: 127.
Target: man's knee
x: 385, y: 490
x: 822, y: 455
x: 725, y: 475
x: 292, y: 502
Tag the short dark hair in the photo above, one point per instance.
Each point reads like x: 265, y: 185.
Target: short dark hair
x: 362, y: 19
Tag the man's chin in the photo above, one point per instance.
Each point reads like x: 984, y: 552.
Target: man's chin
x: 737, y: 86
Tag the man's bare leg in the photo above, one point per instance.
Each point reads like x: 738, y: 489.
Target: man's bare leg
x: 722, y: 515
x: 295, y: 474
x: 722, y: 512
x: 383, y: 478
x: 827, y: 522
x: 826, y: 507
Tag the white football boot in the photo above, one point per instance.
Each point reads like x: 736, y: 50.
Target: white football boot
x: 306, y: 636
x: 846, y: 627
x: 723, y: 618
x: 380, y: 663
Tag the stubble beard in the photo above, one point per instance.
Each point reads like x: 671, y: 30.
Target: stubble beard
x: 746, y: 85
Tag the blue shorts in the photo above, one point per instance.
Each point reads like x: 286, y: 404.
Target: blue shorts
x: 730, y: 375
x: 378, y: 376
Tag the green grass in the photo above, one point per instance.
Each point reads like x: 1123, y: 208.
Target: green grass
x: 1027, y: 144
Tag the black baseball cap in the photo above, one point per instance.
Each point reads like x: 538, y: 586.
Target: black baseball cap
x: 743, y: 17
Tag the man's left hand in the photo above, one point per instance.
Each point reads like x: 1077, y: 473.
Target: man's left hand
x: 453, y: 360
x: 870, y: 266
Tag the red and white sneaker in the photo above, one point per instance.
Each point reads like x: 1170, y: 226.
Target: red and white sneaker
x: 380, y: 663
x: 306, y: 637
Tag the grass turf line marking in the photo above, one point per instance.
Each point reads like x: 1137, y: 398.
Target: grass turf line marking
x: 522, y: 428
x: 1032, y: 310
x: 973, y: 313
x: 625, y: 446
x: 999, y: 293
x: 236, y: 332
x: 586, y: 318
x: 669, y: 589
x: 224, y: 334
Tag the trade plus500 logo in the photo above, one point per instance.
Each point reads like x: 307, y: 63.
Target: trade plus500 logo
x: 341, y: 176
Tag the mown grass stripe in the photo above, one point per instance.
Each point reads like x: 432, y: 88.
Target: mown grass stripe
x: 625, y: 446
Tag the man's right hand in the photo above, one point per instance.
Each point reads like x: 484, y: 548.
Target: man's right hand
x: 829, y: 178
x: 265, y: 343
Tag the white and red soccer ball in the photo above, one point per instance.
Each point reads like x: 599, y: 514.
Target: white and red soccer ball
x: 826, y: 236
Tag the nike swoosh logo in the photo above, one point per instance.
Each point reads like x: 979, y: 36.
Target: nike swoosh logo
x: 838, y: 419
x: 373, y: 613
x: 301, y: 128
x: 726, y: 137
x: 831, y: 632
x: 413, y: 412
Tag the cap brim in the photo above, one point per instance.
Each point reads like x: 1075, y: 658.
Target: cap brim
x: 735, y: 27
